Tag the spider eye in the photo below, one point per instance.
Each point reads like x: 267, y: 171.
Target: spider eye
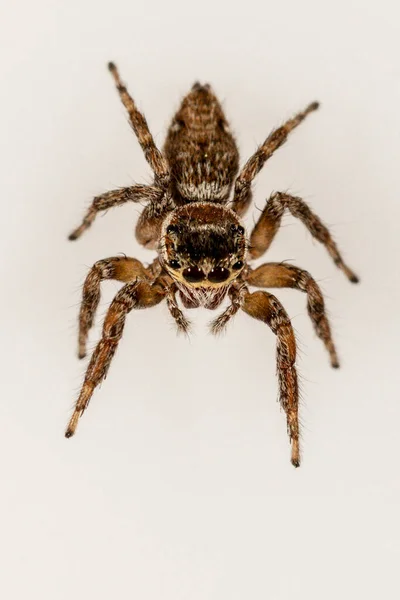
x: 237, y: 229
x: 174, y: 264
x: 193, y: 274
x: 238, y: 265
x: 218, y: 274
x: 172, y: 229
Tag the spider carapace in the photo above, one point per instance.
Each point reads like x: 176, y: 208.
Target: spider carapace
x: 193, y: 221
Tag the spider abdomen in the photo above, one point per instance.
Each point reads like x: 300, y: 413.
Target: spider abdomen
x: 200, y: 149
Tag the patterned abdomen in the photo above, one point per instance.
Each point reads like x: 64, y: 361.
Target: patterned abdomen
x: 201, y: 150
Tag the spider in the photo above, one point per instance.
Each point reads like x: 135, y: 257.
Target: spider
x: 203, y: 251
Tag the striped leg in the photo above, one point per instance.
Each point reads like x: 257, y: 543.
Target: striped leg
x: 138, y: 294
x: 270, y: 220
x: 153, y: 155
x: 266, y: 308
x: 275, y: 275
x: 136, y: 193
x: 264, y: 152
x: 118, y: 268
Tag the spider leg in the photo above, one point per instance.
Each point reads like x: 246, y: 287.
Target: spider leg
x: 240, y: 206
x: 256, y: 162
x: 154, y: 157
x: 270, y: 220
x: 266, y: 308
x: 118, y: 268
x: 182, y: 322
x: 275, y: 275
x: 136, y: 193
x: 137, y: 294
x: 149, y: 225
x: 236, y: 294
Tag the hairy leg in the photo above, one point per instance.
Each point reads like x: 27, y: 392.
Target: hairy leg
x: 270, y: 220
x: 236, y: 294
x: 182, y: 322
x: 149, y: 225
x: 266, y: 308
x: 264, y: 152
x: 240, y: 206
x: 118, y: 268
x: 138, y: 294
x: 275, y: 275
x: 154, y: 157
x: 136, y: 193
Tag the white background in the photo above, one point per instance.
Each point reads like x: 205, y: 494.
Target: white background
x: 178, y: 484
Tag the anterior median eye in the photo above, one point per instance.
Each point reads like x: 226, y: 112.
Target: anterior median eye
x: 218, y: 274
x: 193, y: 274
x: 174, y: 264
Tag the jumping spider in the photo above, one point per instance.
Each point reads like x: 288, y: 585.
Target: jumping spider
x: 203, y: 251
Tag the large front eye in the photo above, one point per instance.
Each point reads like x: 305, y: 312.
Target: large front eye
x: 218, y: 274
x: 193, y: 274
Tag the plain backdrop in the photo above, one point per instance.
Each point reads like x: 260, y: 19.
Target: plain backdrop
x: 178, y: 484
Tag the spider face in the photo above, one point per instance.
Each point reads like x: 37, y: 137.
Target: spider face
x: 203, y: 245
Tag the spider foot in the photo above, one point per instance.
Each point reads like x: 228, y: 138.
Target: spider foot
x: 295, y: 458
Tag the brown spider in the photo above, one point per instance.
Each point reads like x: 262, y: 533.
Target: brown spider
x: 201, y: 243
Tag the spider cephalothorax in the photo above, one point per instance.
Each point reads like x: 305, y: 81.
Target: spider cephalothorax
x: 203, y: 248
x: 203, y: 252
